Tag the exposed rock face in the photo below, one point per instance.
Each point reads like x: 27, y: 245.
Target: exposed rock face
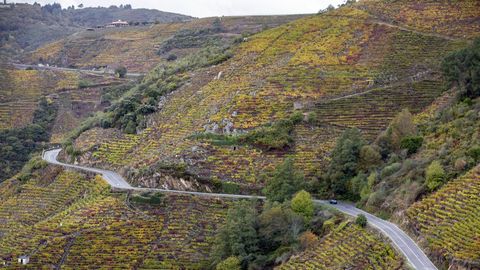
x: 211, y: 128
x: 166, y: 180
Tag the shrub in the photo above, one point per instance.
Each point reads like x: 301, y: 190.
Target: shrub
x: 460, y: 164
x: 230, y: 263
x: 402, y: 126
x: 474, y: 153
x: 84, y: 84
x: 270, y: 137
x: 308, y: 240
x: 391, y: 169
x: 131, y: 127
x: 296, y: 118
x: 312, y: 118
x: 171, y: 57
x: 435, y: 175
x: 230, y: 188
x: 121, y: 71
x: 148, y: 198
x: 275, y: 136
x: 377, y: 198
x: 361, y: 221
x: 411, y: 143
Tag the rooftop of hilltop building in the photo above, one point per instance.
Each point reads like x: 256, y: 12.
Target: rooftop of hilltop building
x: 118, y: 23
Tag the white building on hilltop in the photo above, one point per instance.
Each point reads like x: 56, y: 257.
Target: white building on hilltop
x: 118, y: 23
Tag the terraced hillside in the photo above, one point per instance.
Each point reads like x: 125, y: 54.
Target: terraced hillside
x: 64, y: 219
x: 347, y: 247
x: 20, y: 91
x: 446, y: 18
x: 448, y: 220
x: 347, y: 68
x: 137, y: 47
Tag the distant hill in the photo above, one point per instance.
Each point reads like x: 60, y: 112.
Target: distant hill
x: 26, y: 27
x: 140, y: 48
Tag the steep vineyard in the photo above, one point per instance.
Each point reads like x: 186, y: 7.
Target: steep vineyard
x: 347, y: 247
x: 346, y: 67
x: 449, y: 219
x: 66, y: 219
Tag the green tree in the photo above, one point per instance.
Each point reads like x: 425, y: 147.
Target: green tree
x: 238, y: 236
x: 302, y: 204
x: 230, y: 263
x: 435, y: 175
x: 463, y: 69
x: 279, y: 226
x: 285, y: 182
x: 361, y: 221
x: 345, y: 159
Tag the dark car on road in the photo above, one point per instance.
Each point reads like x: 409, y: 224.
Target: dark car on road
x: 333, y: 201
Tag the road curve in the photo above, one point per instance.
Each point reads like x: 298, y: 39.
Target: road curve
x: 415, y: 256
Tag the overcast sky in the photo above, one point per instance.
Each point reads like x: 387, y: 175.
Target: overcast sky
x: 209, y: 8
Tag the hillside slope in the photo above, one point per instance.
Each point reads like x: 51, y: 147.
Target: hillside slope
x: 347, y: 247
x: 27, y: 27
x: 65, y: 219
x: 448, y: 220
x: 138, y: 48
x: 346, y: 68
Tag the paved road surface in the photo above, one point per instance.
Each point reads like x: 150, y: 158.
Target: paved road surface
x: 98, y: 72
x: 402, y: 241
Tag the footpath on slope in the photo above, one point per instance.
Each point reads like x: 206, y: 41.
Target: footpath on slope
x: 415, y: 256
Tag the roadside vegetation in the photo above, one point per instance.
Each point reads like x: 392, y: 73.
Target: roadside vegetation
x: 264, y: 235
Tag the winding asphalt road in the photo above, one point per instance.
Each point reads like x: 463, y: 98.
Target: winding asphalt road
x: 415, y: 256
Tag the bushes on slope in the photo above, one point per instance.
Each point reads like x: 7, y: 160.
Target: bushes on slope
x: 435, y: 175
x: 274, y: 136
